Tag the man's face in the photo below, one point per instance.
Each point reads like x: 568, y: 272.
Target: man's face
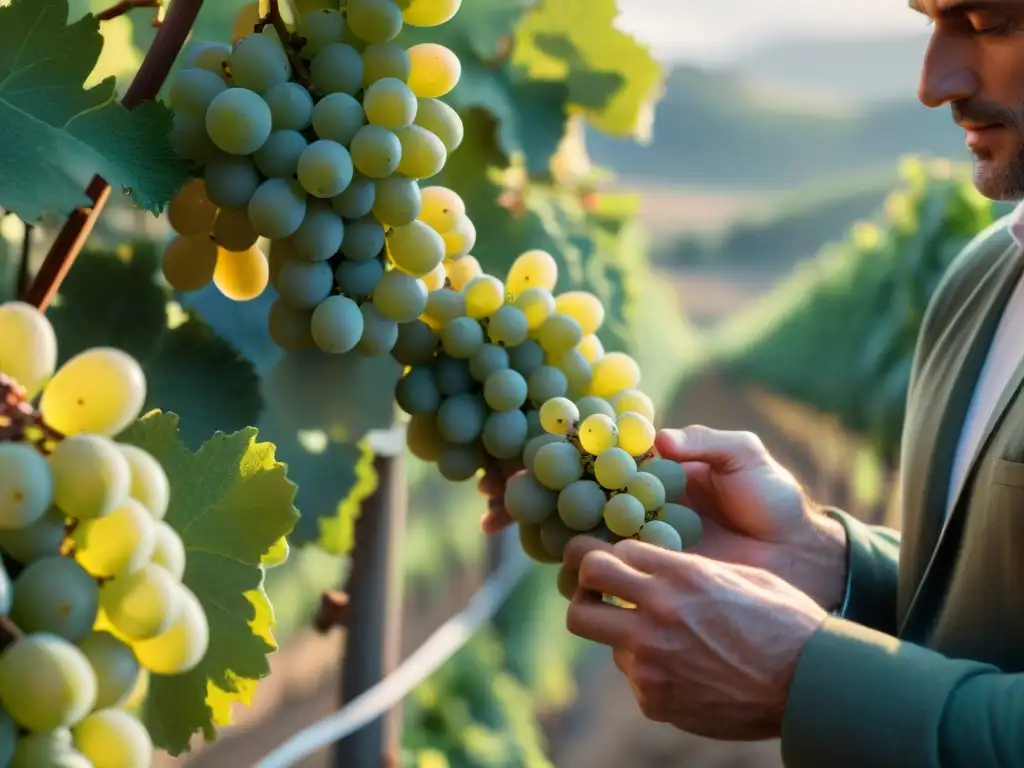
x: 975, y: 63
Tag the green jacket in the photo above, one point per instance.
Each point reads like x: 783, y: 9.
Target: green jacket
x: 926, y: 667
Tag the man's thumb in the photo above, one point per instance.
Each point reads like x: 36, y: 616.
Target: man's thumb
x: 724, y: 451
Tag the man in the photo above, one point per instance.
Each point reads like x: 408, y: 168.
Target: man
x: 796, y: 621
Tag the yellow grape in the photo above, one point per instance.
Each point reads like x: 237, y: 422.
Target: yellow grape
x: 233, y: 231
x: 246, y: 19
x: 591, y: 348
x: 91, y: 477
x: 191, y: 212
x: 537, y: 304
x: 183, y: 644
x: 120, y: 542
x: 423, y: 154
x: 558, y: 415
x: 101, y: 391
x: 558, y: 334
x: 434, y: 70
x: 532, y: 269
x: 28, y: 346
x: 150, y: 486
x: 636, y: 433
x: 613, y: 373
x: 429, y: 13
x: 143, y: 604
x: 634, y: 400
x: 484, y: 296
x: 375, y: 21
x: 461, y: 271
x: 598, y: 433
x: 442, y: 208
x: 434, y: 279
x: 112, y: 738
x: 169, y: 550
x: 189, y: 262
x: 415, y: 248
x: 241, y: 276
x: 46, y: 682
x: 460, y: 239
x: 583, y: 307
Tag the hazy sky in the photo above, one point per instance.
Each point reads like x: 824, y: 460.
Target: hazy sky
x: 716, y: 30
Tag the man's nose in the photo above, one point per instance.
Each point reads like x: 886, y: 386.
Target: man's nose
x: 947, y: 74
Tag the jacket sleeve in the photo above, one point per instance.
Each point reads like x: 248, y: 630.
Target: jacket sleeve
x: 872, y: 561
x: 862, y: 698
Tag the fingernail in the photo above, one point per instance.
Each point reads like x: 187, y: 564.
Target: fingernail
x: 675, y: 436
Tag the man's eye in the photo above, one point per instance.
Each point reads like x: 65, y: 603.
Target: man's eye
x: 988, y: 23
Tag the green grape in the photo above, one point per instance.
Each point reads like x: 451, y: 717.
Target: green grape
x: 527, y: 358
x: 26, y: 486
x: 238, y: 121
x: 304, y: 284
x: 53, y: 749
x: 533, y: 269
x: 416, y: 345
x: 115, y: 665
x: 487, y: 360
x: 46, y: 682
x: 375, y: 21
x: 462, y: 270
x: 590, y: 405
x: 358, y: 278
x: 169, y: 550
x: 277, y: 208
x: 278, y: 158
x: 338, y: 117
x: 505, y: 390
x: 636, y: 433
x: 581, y: 505
x: 614, y: 468
x: 662, y: 535
x: 396, y: 203
x: 291, y: 107
x: 460, y: 239
x: 423, y: 437
x: 100, y: 390
x: 433, y: 70
x: 557, y: 464
x: 358, y: 198
x: 325, y: 168
x: 684, y: 520
x: 379, y: 333
x: 648, y: 489
x: 507, y: 326
x: 337, y: 68
x: 558, y: 415
x: 460, y: 418
x: 555, y: 534
x: 537, y: 442
x: 8, y: 737
x: 441, y: 120
x: 435, y: 278
x: 484, y: 295
x: 416, y: 392
x: 567, y: 581
x: 281, y: 250
x: 193, y: 89
x: 141, y: 604
x: 423, y: 154
x: 624, y: 515
x: 122, y: 541
x: 533, y: 422
x: 633, y: 400
x: 321, y: 28
x: 530, y: 541
x: 336, y: 325
x: 614, y: 373
x: 505, y: 434
x: 442, y: 208
x: 400, y: 297
x: 189, y: 139
x: 527, y: 501
x: 577, y: 371
x: 415, y: 248
x: 598, y: 433
x: 583, y: 307
x: 364, y: 239
x: 55, y: 595
x: 444, y: 305
x: 381, y: 60
x: 233, y: 231
x: 149, y: 483
x: 545, y: 383
x: 230, y: 180
x: 183, y: 644
x: 537, y: 305
x: 112, y: 737
x: 461, y: 462
x: 389, y: 103
x: 429, y: 13
x: 376, y: 151
x: 258, y: 63
x: 452, y: 376
x: 320, y: 234
x: 558, y: 334
x: 290, y: 328
x: 591, y: 348
x: 39, y: 539
x: 91, y: 477
x: 213, y: 57
x: 462, y: 337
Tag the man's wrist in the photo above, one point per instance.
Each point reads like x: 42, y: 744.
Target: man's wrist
x: 825, y: 562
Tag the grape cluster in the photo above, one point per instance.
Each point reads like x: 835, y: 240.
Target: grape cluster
x: 91, y: 597
x: 317, y: 143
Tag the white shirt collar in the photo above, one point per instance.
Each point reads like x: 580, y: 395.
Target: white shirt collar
x: 1017, y: 225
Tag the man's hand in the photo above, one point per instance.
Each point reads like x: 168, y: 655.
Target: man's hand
x: 710, y: 648
x: 492, y: 486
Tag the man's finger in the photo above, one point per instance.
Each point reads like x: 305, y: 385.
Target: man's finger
x: 623, y: 658
x: 579, y: 546
x: 495, y: 519
x: 601, y: 571
x: 725, y: 451
x: 594, y: 620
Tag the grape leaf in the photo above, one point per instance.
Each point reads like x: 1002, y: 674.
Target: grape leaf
x: 230, y: 502
x: 57, y: 134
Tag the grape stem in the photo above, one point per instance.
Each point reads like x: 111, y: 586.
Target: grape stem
x: 121, y: 8
x: 170, y: 37
x: 26, y: 256
x: 288, y: 40
x: 9, y: 632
